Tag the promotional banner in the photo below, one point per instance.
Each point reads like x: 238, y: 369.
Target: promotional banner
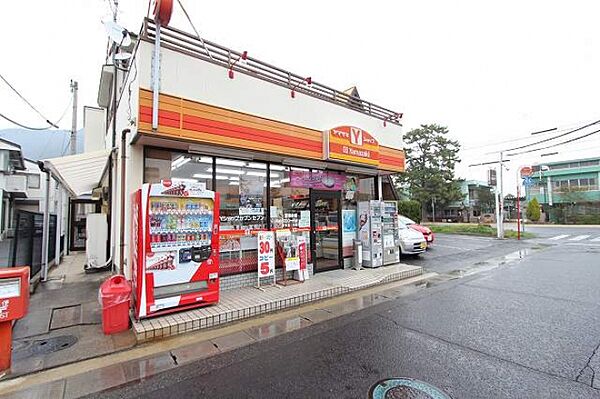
x: 266, y: 254
x: 318, y: 179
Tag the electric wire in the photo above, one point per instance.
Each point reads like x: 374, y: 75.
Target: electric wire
x: 556, y: 144
x: 517, y: 139
x: 195, y: 30
x: 555, y: 137
x: 28, y: 103
x: 22, y: 125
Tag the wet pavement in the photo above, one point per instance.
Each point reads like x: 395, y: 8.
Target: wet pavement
x: 527, y: 327
x: 64, y: 321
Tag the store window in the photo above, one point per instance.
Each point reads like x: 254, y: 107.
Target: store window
x: 164, y: 165
x: 243, y: 189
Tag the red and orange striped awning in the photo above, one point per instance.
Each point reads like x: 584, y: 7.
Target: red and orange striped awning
x: 179, y: 118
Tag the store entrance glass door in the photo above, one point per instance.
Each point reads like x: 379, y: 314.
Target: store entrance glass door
x: 326, y: 233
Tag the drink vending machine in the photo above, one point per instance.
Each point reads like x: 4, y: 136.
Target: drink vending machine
x: 370, y: 232
x: 391, y: 234
x: 175, y: 256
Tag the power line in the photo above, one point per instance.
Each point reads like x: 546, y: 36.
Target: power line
x: 517, y: 139
x: 556, y: 144
x: 27, y: 102
x: 23, y: 126
x: 555, y: 137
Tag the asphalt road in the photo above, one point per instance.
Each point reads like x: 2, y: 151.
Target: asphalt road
x: 529, y: 328
x: 451, y: 253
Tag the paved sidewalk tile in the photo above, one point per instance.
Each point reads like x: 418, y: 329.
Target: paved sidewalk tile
x: 190, y: 353
x: 94, y: 381
x: 232, y: 341
x: 51, y: 390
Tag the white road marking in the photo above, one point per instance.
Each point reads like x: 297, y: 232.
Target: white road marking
x: 579, y: 238
x: 560, y: 237
x: 595, y: 239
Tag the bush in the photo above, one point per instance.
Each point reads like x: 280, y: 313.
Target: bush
x: 587, y: 219
x: 533, y: 210
x: 411, y: 209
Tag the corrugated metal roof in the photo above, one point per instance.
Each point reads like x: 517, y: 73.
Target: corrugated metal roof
x: 79, y: 173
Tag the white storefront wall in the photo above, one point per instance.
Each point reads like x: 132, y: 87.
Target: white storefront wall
x: 193, y: 79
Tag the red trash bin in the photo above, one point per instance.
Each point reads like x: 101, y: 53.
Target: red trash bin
x: 115, y: 296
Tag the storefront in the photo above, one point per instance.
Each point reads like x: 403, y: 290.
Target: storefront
x: 256, y: 196
x: 286, y: 154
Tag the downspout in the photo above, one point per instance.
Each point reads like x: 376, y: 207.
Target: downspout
x: 46, y: 224
x: 122, y: 222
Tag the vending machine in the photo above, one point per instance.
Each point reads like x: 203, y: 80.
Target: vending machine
x: 391, y: 235
x: 370, y: 232
x: 175, y: 251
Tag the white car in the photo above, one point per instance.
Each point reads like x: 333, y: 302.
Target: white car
x: 412, y: 242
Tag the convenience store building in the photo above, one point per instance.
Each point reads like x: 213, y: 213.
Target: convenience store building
x: 285, y: 153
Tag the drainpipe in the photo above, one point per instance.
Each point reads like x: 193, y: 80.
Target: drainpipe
x: 46, y: 224
x: 122, y: 222
x: 59, y: 215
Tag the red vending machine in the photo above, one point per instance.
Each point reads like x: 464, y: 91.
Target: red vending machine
x: 175, y: 259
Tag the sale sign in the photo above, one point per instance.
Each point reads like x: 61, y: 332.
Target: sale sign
x: 266, y: 254
x: 302, y: 252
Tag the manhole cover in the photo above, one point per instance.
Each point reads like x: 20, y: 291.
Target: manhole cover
x: 23, y: 349
x: 405, y: 388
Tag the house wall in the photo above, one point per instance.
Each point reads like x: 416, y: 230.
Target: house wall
x: 94, y: 128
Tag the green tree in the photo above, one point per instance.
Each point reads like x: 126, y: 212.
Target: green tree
x: 430, y: 159
x: 411, y: 209
x: 533, y: 210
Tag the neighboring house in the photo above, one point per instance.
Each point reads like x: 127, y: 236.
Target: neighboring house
x: 12, y: 185
x: 478, y: 199
x: 35, y: 188
x: 568, y: 190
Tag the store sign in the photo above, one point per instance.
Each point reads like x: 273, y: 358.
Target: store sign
x: 266, y: 254
x: 526, y: 171
x: 318, y: 180
x: 351, y: 144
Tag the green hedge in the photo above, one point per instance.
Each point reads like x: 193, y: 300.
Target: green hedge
x: 411, y: 209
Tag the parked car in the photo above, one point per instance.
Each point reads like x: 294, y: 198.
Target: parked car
x: 412, y: 242
x: 426, y: 231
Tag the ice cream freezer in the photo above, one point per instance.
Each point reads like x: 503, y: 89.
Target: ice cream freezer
x: 175, y: 259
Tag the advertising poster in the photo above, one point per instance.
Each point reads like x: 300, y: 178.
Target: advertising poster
x: 348, y: 230
x: 251, y: 195
x: 266, y: 254
x: 318, y: 180
x: 304, y: 219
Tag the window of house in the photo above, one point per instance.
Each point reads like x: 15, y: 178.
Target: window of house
x: 33, y: 181
x: 593, y: 183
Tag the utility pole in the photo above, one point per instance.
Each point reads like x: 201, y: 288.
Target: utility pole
x: 73, y: 140
x: 500, y: 214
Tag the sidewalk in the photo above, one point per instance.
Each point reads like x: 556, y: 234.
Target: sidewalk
x: 92, y: 376
x: 248, y: 302
x: 63, y: 323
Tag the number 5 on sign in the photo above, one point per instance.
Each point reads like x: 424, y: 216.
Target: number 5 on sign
x: 266, y: 255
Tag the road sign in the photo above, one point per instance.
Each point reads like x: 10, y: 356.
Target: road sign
x: 526, y: 171
x: 527, y: 181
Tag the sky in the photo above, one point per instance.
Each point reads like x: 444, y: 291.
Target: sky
x: 492, y: 72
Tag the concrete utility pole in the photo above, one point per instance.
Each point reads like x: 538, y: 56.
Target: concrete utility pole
x: 500, y: 202
x: 73, y: 140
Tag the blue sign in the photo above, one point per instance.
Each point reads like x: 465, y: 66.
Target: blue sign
x: 527, y: 181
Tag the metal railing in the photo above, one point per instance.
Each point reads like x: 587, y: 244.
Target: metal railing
x: 186, y: 43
